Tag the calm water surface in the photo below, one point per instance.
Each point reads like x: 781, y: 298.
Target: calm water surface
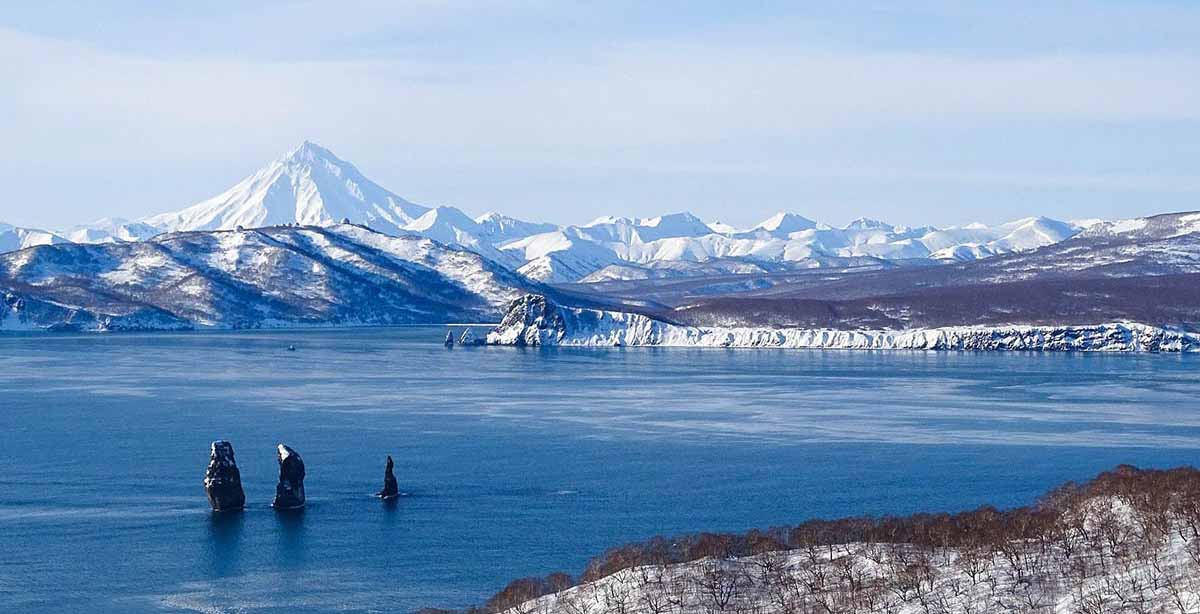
x: 514, y: 462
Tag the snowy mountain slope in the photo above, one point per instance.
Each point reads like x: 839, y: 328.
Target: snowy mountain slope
x: 451, y: 226
x: 495, y: 228
x: 1164, y: 226
x: 111, y: 230
x: 558, y: 257
x: 14, y: 237
x: 310, y: 186
x: 1149, y: 276
x: 671, y: 269
x: 783, y: 224
x: 784, y: 237
x: 277, y: 276
x: 666, y: 283
x: 1167, y: 244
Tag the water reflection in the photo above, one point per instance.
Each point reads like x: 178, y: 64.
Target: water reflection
x: 225, y: 542
x: 291, y: 540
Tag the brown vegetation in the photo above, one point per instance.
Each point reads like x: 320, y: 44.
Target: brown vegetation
x: 1103, y: 543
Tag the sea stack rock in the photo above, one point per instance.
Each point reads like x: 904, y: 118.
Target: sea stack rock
x: 468, y: 338
x: 449, y: 339
x: 390, y: 489
x: 289, y: 493
x: 222, y: 480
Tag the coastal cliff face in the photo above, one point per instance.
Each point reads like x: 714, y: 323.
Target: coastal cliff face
x: 536, y: 320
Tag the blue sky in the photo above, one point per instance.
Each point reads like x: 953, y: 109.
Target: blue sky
x: 918, y: 112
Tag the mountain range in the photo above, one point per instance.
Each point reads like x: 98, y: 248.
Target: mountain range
x: 308, y: 240
x: 311, y: 186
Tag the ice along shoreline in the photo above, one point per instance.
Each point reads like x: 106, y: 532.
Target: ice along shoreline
x: 534, y: 320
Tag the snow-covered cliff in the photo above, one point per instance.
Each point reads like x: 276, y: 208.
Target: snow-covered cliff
x: 536, y: 320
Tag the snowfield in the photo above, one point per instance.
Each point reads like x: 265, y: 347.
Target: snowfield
x: 535, y: 320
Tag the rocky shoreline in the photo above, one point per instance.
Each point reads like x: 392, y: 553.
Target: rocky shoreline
x: 536, y: 320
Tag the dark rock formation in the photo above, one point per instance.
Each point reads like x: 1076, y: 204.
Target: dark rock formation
x: 532, y: 319
x: 449, y: 339
x: 222, y: 480
x: 289, y: 493
x: 390, y: 489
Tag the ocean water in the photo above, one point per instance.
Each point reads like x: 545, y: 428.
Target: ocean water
x: 513, y: 462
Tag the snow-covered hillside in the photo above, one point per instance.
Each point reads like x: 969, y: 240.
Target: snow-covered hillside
x: 1125, y: 541
x: 537, y: 320
x: 13, y: 237
x: 1142, y: 569
x: 276, y: 276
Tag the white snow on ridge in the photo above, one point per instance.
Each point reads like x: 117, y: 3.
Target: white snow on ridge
x: 312, y: 186
x: 784, y: 237
x: 13, y: 238
x: 112, y: 230
x: 309, y: 185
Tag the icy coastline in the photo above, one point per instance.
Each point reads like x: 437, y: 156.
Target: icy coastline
x: 535, y: 320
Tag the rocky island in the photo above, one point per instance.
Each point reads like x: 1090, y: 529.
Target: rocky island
x: 223, y: 480
x: 289, y: 493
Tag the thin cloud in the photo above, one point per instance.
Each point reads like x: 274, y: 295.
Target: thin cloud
x: 606, y: 102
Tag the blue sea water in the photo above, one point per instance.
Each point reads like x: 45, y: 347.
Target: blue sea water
x: 513, y: 462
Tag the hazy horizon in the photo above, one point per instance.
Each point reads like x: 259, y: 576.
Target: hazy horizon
x: 933, y: 113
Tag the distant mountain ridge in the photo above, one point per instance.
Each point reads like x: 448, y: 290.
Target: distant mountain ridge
x: 13, y: 238
x: 310, y: 185
x: 1145, y: 270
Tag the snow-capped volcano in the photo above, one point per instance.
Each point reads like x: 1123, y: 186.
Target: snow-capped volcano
x: 309, y: 186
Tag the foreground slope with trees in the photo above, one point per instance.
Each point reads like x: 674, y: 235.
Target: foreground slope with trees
x: 1126, y: 541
